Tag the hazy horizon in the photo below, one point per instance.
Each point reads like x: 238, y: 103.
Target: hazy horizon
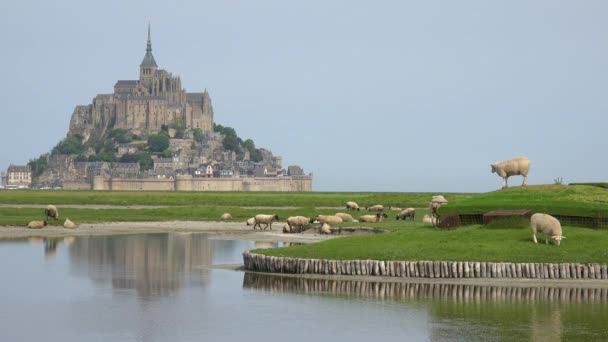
x: 395, y: 96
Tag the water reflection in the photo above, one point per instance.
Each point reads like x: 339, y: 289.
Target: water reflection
x: 152, y: 264
x: 471, y: 312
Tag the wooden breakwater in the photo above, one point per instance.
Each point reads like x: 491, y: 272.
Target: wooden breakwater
x: 424, y: 269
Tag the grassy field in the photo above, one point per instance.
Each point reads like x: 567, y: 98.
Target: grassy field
x: 579, y: 200
x: 230, y: 199
x: 405, y: 241
x: 472, y: 243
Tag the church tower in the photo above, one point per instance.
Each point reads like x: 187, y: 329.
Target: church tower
x: 148, y: 66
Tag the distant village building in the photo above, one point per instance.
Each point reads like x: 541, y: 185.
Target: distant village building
x: 294, y: 170
x: 19, y: 176
x: 265, y: 171
x: 125, y: 170
x: 126, y: 149
x: 163, y: 163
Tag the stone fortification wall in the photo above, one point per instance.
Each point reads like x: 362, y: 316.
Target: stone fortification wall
x: 69, y: 185
x: 425, y: 269
x: 188, y: 183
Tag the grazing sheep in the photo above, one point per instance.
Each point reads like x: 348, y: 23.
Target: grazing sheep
x: 515, y: 167
x: 376, y: 207
x: 250, y: 221
x: 265, y: 219
x: 286, y: 228
x: 429, y: 219
x: 332, y: 219
x: 394, y: 208
x: 547, y: 225
x: 69, y: 224
x: 297, y: 221
x: 407, y: 213
x: 51, y: 211
x: 379, y: 217
x: 345, y: 217
x: 226, y: 217
x: 325, y: 229
x: 352, y: 206
x: 36, y: 224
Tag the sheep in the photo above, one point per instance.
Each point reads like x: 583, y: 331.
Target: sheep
x: 333, y: 219
x: 376, y: 207
x: 226, y: 217
x: 379, y: 217
x: 429, y: 219
x: 515, y: 167
x: 345, y: 217
x: 297, y: 221
x: 69, y: 224
x: 36, y: 224
x: 394, y: 208
x: 325, y: 229
x: 547, y: 225
x: 250, y: 221
x: 407, y: 213
x: 286, y: 228
x: 350, y: 205
x: 265, y: 219
x: 51, y: 211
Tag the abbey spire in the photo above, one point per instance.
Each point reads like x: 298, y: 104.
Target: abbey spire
x: 148, y: 66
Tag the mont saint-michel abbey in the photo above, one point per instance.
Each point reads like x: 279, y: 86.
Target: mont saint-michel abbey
x: 144, y: 105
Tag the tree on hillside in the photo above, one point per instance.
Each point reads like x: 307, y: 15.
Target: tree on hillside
x: 145, y: 160
x: 38, y: 165
x: 158, y: 142
x: 70, y: 145
x: 198, y: 135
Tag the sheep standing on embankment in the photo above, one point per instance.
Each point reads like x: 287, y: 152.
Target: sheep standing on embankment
x: 515, y: 167
x: 250, y: 221
x: 407, y: 213
x: 52, y: 212
x: 265, y: 219
x: 379, y: 217
x: 69, y: 224
x: 329, y: 219
x: 226, y: 217
x: 36, y: 224
x: 547, y: 225
x: 297, y: 222
x: 345, y: 217
x: 376, y: 207
x: 350, y: 205
x: 286, y: 228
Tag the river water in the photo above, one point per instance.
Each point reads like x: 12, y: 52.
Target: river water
x: 161, y: 287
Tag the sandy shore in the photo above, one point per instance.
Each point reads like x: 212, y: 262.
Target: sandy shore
x: 220, y: 230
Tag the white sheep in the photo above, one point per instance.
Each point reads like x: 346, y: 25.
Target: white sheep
x: 36, y: 224
x: 330, y: 219
x: 345, y: 217
x: 376, y: 207
x: 379, y: 217
x: 429, y: 219
x: 297, y: 221
x: 265, y: 219
x: 390, y: 207
x: 350, y: 205
x: 226, y: 217
x: 515, y: 167
x: 407, y: 213
x: 547, y: 225
x: 325, y: 229
x: 69, y: 224
x: 250, y: 221
x: 286, y: 228
x: 52, y: 212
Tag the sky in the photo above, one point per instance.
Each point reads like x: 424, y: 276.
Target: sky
x: 368, y: 96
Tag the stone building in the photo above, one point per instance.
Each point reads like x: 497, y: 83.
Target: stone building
x: 19, y: 175
x: 144, y: 105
